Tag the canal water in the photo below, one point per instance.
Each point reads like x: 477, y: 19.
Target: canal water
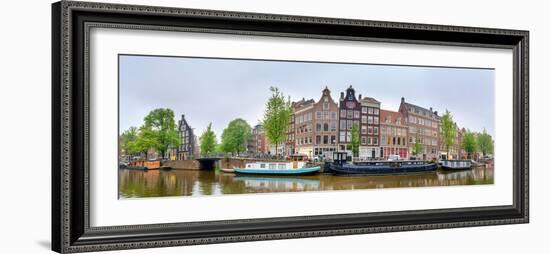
x: 159, y: 183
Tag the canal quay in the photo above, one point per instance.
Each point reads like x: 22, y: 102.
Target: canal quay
x: 161, y: 183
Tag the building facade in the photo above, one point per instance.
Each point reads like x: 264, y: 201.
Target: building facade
x: 393, y: 134
x: 303, y: 126
x: 349, y: 114
x: 290, y: 143
x: 325, y: 123
x: 424, y: 127
x: 456, y: 152
x: 257, y: 144
x: 370, y: 129
x: 188, y: 144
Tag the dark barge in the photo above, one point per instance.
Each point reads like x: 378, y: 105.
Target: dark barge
x: 341, y: 165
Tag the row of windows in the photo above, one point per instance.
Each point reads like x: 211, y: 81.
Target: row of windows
x: 370, y: 120
x: 389, y: 140
x: 327, y: 115
x: 422, y: 131
x: 349, y: 114
x: 370, y: 111
x: 304, y: 118
x: 325, y: 140
x: 347, y: 124
x: 369, y: 141
x: 394, y: 131
x: 304, y: 128
x: 325, y: 126
x: 424, y: 141
x: 304, y: 141
x: 422, y: 121
x: 388, y: 120
x: 370, y: 130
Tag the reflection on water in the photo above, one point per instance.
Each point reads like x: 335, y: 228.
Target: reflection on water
x: 158, y: 183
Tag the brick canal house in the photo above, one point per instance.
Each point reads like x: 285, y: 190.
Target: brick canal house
x: 423, y: 124
x: 350, y: 113
x: 303, y: 126
x: 325, y: 122
x: 257, y: 144
x: 290, y: 143
x: 370, y: 129
x: 393, y: 134
x: 455, y: 151
x: 187, y: 148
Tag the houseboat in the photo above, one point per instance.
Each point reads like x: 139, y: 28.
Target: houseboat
x: 341, y: 165
x: 455, y: 164
x: 143, y: 164
x: 277, y: 168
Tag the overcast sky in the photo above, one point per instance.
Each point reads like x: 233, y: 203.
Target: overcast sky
x: 219, y: 90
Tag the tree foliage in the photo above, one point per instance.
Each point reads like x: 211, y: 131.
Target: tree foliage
x: 417, y: 147
x: 277, y: 117
x: 235, y: 136
x: 208, y: 141
x: 448, y: 130
x: 160, y: 130
x: 469, y: 143
x: 128, y: 141
x: 354, y: 142
x: 485, y: 143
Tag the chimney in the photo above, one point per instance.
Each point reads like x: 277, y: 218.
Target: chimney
x: 431, y: 109
x: 342, y: 96
x: 359, y: 96
x: 402, y: 99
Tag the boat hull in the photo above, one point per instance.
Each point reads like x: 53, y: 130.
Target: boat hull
x: 455, y: 168
x: 227, y: 170
x: 380, y: 170
x: 456, y: 165
x: 300, y: 171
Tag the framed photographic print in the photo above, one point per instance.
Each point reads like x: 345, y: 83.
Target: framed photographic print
x: 182, y: 126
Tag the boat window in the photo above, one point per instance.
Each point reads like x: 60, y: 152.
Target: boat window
x: 262, y: 165
x: 282, y: 166
x: 272, y: 166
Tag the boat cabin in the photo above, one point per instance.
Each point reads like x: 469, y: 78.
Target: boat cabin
x: 275, y: 165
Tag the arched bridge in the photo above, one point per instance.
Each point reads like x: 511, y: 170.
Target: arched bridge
x: 208, y: 163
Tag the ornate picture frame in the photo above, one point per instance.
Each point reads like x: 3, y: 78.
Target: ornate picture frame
x: 71, y: 229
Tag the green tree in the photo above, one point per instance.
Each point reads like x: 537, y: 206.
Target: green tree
x: 146, y: 139
x: 469, y: 143
x: 208, y: 141
x: 128, y: 141
x: 485, y: 143
x: 277, y: 117
x: 417, y: 147
x: 448, y: 130
x: 235, y: 136
x: 354, y: 142
x: 160, y: 127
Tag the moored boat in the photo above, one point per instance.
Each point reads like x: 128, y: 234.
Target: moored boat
x: 227, y: 170
x: 277, y: 168
x: 382, y: 167
x: 455, y: 164
x: 341, y: 166
x: 144, y: 164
